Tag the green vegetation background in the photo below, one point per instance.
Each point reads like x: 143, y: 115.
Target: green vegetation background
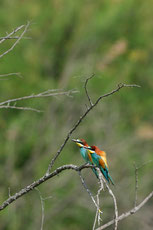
x: 70, y: 41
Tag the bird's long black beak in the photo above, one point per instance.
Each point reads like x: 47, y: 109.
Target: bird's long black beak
x: 74, y: 140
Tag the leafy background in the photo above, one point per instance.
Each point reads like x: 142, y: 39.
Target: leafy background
x: 70, y: 41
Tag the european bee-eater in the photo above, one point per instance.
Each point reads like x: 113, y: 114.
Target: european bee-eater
x: 85, y: 153
x: 99, y: 159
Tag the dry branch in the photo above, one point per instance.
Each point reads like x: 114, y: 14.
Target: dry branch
x: 101, y: 187
x: 20, y: 108
x: 48, y: 175
x: 10, y: 75
x: 129, y: 213
x: 12, y: 33
x: 40, y: 181
x: 120, y: 86
x: 88, y: 191
x: 102, y: 180
x: 9, y: 38
x: 17, y: 41
x: 51, y: 92
x: 86, y: 90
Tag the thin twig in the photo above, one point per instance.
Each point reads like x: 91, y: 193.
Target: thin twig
x: 120, y: 86
x: 17, y: 41
x: 13, y: 32
x: 87, y: 189
x: 136, y: 179
x: 144, y: 164
x: 20, y: 108
x: 101, y: 187
x: 42, y: 208
x: 40, y: 181
x: 10, y: 74
x: 115, y: 205
x: 9, y: 191
x: 86, y: 90
x: 49, y: 175
x: 56, y: 172
x: 47, y: 93
x: 16, y: 37
x: 129, y: 213
x: 136, y: 185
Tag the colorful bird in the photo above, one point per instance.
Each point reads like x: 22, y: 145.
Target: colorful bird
x: 99, y: 159
x: 85, y: 153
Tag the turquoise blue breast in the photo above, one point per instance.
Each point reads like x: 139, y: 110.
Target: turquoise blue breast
x: 84, y: 154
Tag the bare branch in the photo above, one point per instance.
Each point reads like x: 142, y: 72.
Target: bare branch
x: 115, y: 206
x: 48, y: 93
x: 136, y: 185
x: 12, y: 33
x: 56, y: 172
x: 129, y: 213
x: 85, y: 86
x: 115, y: 203
x: 48, y: 175
x: 10, y: 74
x: 144, y: 164
x: 88, y: 191
x: 120, y: 86
x: 42, y: 208
x: 17, y: 41
x: 42, y: 199
x: 20, y: 108
x: 136, y: 179
x: 9, y: 191
x: 40, y: 181
x: 16, y: 37
x: 101, y: 187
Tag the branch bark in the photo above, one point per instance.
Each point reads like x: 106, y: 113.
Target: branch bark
x: 129, y: 213
x: 48, y: 175
x: 41, y: 180
x: 12, y: 33
x: 119, y: 87
x: 17, y: 41
x: 48, y: 93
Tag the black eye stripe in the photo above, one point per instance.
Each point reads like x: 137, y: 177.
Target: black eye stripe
x: 80, y: 142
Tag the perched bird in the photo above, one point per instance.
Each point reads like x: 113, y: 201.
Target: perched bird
x: 85, y: 153
x: 99, y: 159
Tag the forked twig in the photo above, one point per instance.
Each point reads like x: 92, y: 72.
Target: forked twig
x: 52, y: 92
x: 41, y: 180
x: 49, y: 175
x: 42, y: 199
x: 129, y: 213
x: 115, y: 203
x: 119, y: 87
x: 42, y: 208
x: 89, y: 192
x: 101, y: 187
x: 86, y: 90
x: 136, y: 179
x: 10, y: 34
x: 17, y: 41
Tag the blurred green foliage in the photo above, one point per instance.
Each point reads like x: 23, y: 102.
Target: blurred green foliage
x: 70, y: 41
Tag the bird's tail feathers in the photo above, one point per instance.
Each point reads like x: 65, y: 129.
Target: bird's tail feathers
x: 105, y: 173
x: 111, y: 179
